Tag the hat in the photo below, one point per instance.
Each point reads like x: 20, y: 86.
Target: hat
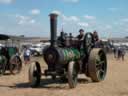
x: 81, y: 30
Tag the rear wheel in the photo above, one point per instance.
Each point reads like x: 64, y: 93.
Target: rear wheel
x: 97, y: 67
x: 34, y: 74
x: 72, y: 74
x: 15, y: 64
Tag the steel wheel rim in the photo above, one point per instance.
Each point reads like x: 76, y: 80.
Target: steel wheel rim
x: 101, y: 65
x: 74, y: 74
x: 16, y: 67
x: 35, y: 72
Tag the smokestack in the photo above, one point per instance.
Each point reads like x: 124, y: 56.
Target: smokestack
x: 53, y: 28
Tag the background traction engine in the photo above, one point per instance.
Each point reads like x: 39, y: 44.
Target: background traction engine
x: 67, y: 57
x: 9, y: 60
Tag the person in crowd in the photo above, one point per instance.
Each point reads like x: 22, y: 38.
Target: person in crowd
x: 119, y: 52
x: 27, y: 55
x: 122, y: 53
x: 115, y: 52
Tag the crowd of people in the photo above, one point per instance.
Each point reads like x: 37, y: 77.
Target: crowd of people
x: 119, y: 52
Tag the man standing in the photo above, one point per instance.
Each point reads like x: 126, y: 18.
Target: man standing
x: 95, y: 36
x: 115, y: 52
x: 27, y: 54
x: 96, y: 39
x: 81, y: 35
x: 122, y: 53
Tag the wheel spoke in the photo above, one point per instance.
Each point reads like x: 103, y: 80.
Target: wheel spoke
x: 102, y: 71
x: 100, y: 63
x: 74, y: 74
x: 100, y: 66
x: 15, y: 65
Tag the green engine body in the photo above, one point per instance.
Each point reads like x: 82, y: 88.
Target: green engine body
x: 6, y: 53
x: 58, y: 55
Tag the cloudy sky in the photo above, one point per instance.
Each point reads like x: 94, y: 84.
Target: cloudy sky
x: 30, y: 17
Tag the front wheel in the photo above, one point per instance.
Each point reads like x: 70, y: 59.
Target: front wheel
x: 34, y: 74
x: 72, y: 74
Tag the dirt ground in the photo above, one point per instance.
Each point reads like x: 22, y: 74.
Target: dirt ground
x: 115, y: 84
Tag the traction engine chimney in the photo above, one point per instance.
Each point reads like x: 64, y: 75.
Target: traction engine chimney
x: 53, y: 28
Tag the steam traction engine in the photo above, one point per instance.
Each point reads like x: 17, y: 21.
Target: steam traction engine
x: 67, y: 57
x: 9, y: 60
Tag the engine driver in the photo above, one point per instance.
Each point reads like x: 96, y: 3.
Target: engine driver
x: 81, y: 35
x: 95, y: 36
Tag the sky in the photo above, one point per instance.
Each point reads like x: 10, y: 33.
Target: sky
x: 30, y: 17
